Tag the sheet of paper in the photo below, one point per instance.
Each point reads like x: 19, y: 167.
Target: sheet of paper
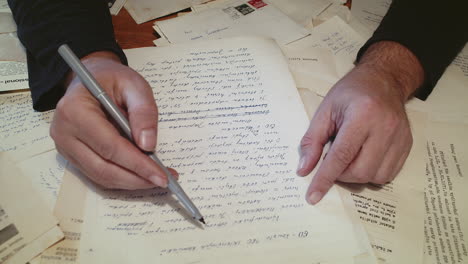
x: 11, y: 48
x: 45, y: 171
x: 145, y: 10
x: 115, y: 6
x: 302, y: 11
x: 335, y: 9
x: 446, y: 218
x: 234, y: 18
x: 393, y: 213
x: 7, y: 24
x: 23, y: 131
x: 448, y: 97
x: 26, y: 225
x: 339, y: 38
x: 69, y: 211
x: 370, y: 12
x: 312, y: 68
x: 461, y: 61
x: 13, y: 75
x: 222, y: 125
x: 4, y: 6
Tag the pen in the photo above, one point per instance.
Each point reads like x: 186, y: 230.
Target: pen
x: 92, y: 85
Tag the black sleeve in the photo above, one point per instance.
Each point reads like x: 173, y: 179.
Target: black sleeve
x: 44, y: 25
x: 435, y: 31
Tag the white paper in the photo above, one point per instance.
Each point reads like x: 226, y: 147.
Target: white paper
x: 7, y: 24
x: 11, y: 48
x: 13, y: 75
x: 144, y: 10
x: 370, y: 12
x: 339, y: 38
x: 115, y: 6
x: 235, y: 18
x: 302, y: 11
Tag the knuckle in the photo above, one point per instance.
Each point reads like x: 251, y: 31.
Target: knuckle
x: 103, y: 177
x: 106, y: 150
x: 343, y: 155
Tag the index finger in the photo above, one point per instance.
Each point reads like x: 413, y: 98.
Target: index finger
x: 342, y: 152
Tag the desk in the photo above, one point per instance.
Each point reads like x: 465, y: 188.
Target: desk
x: 131, y: 35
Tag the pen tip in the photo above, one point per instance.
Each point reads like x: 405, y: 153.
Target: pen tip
x: 202, y: 220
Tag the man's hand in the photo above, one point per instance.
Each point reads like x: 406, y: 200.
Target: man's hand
x: 84, y: 135
x: 364, y: 112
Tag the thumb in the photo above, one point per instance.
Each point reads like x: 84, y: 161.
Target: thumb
x: 142, y: 113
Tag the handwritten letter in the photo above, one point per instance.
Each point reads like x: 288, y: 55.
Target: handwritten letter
x: 230, y: 122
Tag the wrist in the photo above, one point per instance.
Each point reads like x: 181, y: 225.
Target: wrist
x: 395, y: 64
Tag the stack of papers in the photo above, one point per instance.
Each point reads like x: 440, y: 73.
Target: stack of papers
x: 13, y: 67
x: 229, y: 71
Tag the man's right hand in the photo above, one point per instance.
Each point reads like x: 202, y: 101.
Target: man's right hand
x: 85, y: 136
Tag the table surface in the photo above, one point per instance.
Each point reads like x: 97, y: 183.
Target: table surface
x: 131, y: 35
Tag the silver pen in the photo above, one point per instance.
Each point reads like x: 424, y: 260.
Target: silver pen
x: 92, y: 85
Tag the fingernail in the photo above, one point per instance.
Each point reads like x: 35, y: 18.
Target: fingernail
x: 158, y: 181
x: 302, y: 161
x: 148, y: 139
x: 314, y: 198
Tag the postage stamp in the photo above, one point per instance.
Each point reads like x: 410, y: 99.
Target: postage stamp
x: 244, y: 9
x: 257, y: 3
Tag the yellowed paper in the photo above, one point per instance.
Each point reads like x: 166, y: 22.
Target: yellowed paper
x: 45, y: 171
x: 446, y: 218
x: 13, y: 75
x: 11, y: 48
x: 26, y: 225
x: 393, y: 214
x: 7, y: 24
x: 448, y: 97
x: 23, y: 132
x: 69, y: 211
x: 223, y: 126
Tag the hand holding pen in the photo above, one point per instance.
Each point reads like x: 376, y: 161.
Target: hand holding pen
x: 85, y: 136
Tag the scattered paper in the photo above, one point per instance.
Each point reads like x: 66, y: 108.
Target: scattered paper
x: 23, y: 132
x: 446, y: 218
x: 237, y: 163
x: 312, y: 68
x: 234, y: 18
x: 145, y: 10
x: 13, y: 75
x: 461, y: 61
x: 45, y: 171
x: 4, y: 6
x: 7, y: 24
x: 26, y: 225
x: 393, y: 213
x: 336, y: 36
x: 11, y: 48
x: 370, y: 12
x: 115, y: 6
x: 302, y: 11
